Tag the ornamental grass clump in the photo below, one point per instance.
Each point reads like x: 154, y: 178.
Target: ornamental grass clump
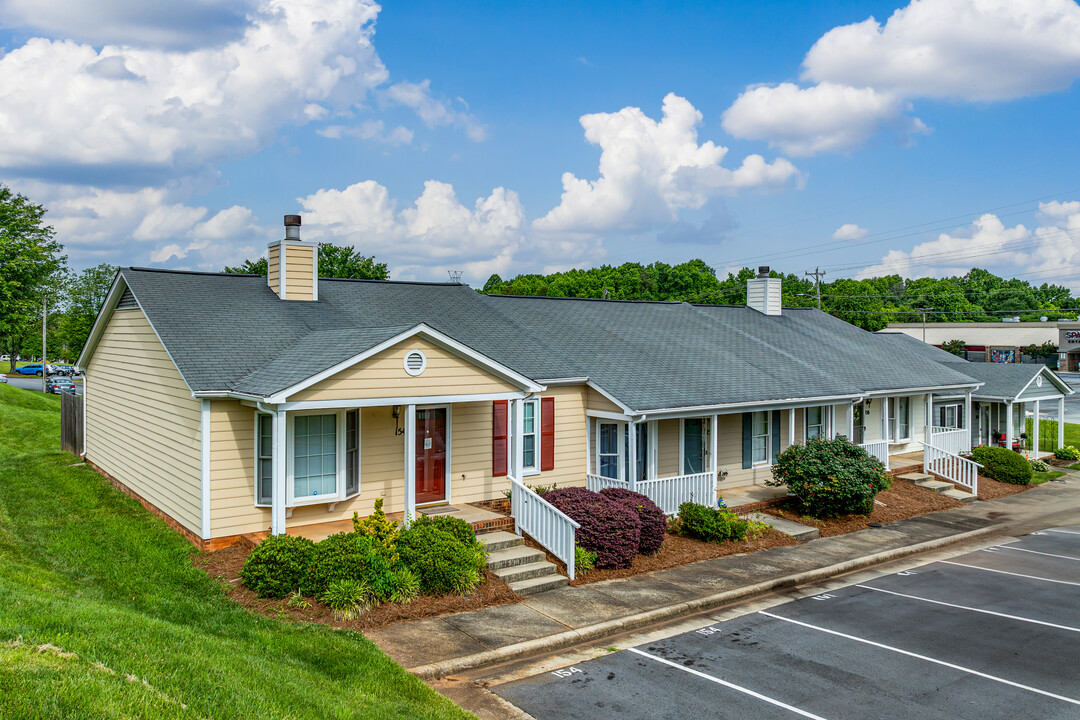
x: 348, y: 598
x: 608, y: 528
x: 653, y: 519
x: 1002, y: 464
x: 830, y: 477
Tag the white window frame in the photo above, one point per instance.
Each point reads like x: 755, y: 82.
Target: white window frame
x: 255, y: 486
x: 339, y: 444
x: 533, y: 469
x: 621, y: 435
x: 955, y: 408
x: 806, y: 423
x: 768, y: 438
x: 892, y: 421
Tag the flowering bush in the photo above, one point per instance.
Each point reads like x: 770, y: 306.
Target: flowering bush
x: 1039, y: 466
x: 653, y: 519
x: 830, y: 477
x: 608, y: 528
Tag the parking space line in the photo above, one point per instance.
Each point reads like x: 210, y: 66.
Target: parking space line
x: 972, y: 609
x: 725, y: 683
x: 1005, y: 572
x: 1063, y: 532
x: 1035, y: 552
x: 923, y: 657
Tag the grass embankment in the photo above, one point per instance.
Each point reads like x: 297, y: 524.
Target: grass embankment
x: 1048, y: 434
x: 102, y: 614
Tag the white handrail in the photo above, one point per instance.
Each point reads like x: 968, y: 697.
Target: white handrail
x: 951, y: 466
x: 668, y: 492
x: 950, y: 439
x: 545, y: 523
x: 878, y: 449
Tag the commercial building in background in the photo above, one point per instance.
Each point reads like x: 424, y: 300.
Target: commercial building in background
x: 1002, y: 341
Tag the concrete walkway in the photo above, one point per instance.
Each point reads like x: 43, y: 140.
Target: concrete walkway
x: 569, y: 615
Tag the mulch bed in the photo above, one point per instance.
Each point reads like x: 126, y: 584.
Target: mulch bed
x: 225, y: 565
x: 991, y: 489
x: 903, y: 500
x: 675, y: 552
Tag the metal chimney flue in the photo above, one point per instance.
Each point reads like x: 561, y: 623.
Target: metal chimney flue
x: 292, y: 227
x: 763, y: 271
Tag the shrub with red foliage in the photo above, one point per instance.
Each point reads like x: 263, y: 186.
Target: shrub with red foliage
x: 608, y: 528
x: 653, y: 519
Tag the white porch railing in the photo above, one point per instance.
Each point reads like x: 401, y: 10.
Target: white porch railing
x: 545, y: 523
x: 952, y: 467
x: 950, y: 439
x: 668, y: 493
x: 879, y: 449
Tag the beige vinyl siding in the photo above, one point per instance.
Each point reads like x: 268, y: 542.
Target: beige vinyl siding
x: 667, y: 448
x: 142, y: 425
x: 299, y: 272
x: 232, y: 471
x: 272, y: 267
x: 596, y: 401
x: 383, y: 375
x: 729, y: 453
x: 872, y: 419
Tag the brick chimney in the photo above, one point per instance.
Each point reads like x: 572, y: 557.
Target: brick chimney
x: 293, y: 265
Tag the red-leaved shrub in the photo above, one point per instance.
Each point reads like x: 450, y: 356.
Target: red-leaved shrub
x: 608, y: 528
x: 653, y: 519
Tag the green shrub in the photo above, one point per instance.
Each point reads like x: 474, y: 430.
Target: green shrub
x: 1002, y: 464
x: 405, y: 586
x: 711, y: 524
x: 457, y: 527
x: 278, y: 565
x: 1069, y: 452
x: 347, y: 597
x: 1039, y: 466
x: 383, y: 532
x: 830, y: 477
x: 584, y: 560
x: 440, y: 559
x: 345, y: 556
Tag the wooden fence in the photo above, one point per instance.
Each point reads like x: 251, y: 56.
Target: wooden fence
x: 71, y: 423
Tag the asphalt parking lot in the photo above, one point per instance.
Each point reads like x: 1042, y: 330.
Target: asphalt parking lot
x: 989, y: 634
x: 34, y: 383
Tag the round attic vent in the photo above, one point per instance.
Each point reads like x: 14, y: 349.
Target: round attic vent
x: 415, y: 362
x: 1038, y: 381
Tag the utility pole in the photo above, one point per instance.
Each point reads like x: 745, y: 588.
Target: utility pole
x: 923, y: 311
x: 44, y: 362
x: 817, y: 275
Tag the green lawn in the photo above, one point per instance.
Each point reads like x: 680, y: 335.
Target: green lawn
x: 1038, y: 478
x: 103, y: 616
x: 1048, y: 434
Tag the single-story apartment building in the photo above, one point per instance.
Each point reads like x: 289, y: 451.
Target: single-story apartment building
x: 1003, y: 341
x: 239, y: 404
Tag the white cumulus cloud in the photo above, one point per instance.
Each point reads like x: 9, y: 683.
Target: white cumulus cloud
x: 432, y: 111
x: 650, y: 170
x: 849, y: 231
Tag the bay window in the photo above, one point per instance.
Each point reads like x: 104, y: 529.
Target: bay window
x: 322, y: 457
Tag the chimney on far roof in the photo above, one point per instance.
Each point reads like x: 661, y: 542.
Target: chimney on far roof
x: 763, y: 292
x: 293, y: 265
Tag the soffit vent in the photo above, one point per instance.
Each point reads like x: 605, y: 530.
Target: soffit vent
x: 415, y: 362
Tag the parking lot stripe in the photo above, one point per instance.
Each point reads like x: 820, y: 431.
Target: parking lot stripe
x: 923, y: 657
x: 725, y: 683
x: 1063, y: 532
x: 1035, y: 552
x: 1005, y: 572
x: 972, y: 609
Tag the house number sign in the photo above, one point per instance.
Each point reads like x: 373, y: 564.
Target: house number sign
x: 427, y: 443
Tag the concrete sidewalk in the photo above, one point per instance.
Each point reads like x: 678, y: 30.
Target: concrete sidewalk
x: 569, y: 615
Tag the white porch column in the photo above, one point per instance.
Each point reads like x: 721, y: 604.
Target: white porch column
x: 851, y: 422
x: 714, y: 441
x: 278, y: 499
x: 631, y: 449
x: 588, y: 446
x: 791, y: 426
x: 1009, y: 425
x: 928, y: 415
x: 967, y: 416
x: 517, y: 439
x: 1035, y: 430
x: 410, y: 464
x: 1061, y: 422
x: 885, y: 418
x: 832, y: 422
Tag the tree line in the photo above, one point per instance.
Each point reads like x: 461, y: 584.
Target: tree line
x: 870, y: 304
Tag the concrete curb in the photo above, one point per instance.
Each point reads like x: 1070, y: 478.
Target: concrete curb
x: 630, y: 622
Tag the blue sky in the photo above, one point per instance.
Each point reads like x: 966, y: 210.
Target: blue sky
x: 511, y: 137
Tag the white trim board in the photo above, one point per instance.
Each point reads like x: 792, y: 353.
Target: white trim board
x: 387, y: 402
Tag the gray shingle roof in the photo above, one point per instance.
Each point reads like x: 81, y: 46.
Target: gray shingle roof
x: 232, y: 333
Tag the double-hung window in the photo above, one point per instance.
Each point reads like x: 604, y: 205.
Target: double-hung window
x: 760, y: 442
x: 264, y: 459
x: 607, y: 450
x: 900, y: 419
x: 950, y: 416
x: 815, y: 421
x: 530, y: 410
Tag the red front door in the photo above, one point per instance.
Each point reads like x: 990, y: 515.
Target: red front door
x: 430, y: 455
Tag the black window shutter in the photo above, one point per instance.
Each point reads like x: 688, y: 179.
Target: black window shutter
x: 775, y: 427
x: 747, y: 440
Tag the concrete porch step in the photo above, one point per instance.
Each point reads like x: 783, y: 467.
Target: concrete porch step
x: 511, y: 556
x: 526, y: 571
x: 938, y: 486
x: 538, y: 584
x: 499, y: 540
x: 915, y: 477
x: 961, y: 495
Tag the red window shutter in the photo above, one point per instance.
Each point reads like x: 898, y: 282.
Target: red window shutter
x: 547, y: 433
x: 499, y: 437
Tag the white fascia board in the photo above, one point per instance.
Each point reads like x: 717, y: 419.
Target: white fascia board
x: 1041, y: 398
x: 623, y: 406
x: 409, y: 400
x: 1052, y: 377
x: 223, y: 394
x: 726, y: 408
x: 605, y: 415
x: 559, y: 382
x: 921, y: 390
x: 111, y: 300
x: 445, y: 341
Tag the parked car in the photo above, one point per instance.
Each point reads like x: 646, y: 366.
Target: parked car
x: 65, y: 370
x: 3, y: 378
x: 31, y: 369
x: 59, y: 384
